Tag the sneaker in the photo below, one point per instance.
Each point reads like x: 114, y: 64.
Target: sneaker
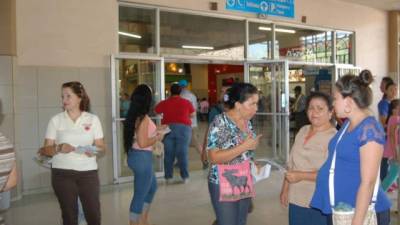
x: 185, y: 181
x: 205, y: 165
x: 169, y: 181
x: 2, y: 221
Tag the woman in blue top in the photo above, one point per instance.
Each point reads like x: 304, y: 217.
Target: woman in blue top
x: 358, y: 153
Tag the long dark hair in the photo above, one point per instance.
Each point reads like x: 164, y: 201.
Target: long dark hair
x: 139, y: 107
x: 78, y: 89
x: 393, y: 104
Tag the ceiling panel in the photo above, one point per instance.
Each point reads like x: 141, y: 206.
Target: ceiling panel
x: 378, y: 4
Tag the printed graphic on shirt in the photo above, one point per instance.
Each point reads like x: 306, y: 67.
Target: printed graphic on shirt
x: 87, y: 126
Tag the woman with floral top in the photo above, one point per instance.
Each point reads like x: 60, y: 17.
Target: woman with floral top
x: 230, y: 144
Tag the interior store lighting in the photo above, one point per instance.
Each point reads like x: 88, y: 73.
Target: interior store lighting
x: 129, y: 34
x: 344, y: 32
x: 198, y: 47
x: 278, y: 30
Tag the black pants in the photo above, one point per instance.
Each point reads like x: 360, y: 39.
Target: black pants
x: 68, y: 185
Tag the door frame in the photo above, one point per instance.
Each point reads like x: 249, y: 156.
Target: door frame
x: 160, y: 86
x: 284, y: 144
x: 160, y: 83
x: 338, y: 67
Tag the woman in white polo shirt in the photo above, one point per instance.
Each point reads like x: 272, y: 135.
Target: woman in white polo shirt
x: 74, y: 138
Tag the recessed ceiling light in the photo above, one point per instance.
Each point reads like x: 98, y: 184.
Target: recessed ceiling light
x: 278, y: 30
x: 198, y: 47
x: 129, y: 34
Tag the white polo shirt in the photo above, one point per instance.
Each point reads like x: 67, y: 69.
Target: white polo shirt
x: 82, y: 132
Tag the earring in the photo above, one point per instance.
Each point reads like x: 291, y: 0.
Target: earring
x: 347, y: 110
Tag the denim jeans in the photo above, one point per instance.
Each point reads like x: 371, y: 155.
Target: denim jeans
x: 384, y: 168
x: 176, y: 145
x: 383, y: 218
x: 145, y: 183
x: 306, y: 216
x: 228, y: 213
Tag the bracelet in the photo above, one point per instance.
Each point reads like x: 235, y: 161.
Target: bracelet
x: 157, y: 137
x: 58, y: 148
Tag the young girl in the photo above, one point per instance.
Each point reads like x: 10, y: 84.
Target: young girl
x: 392, y: 122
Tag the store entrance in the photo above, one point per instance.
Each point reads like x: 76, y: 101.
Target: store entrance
x: 275, y: 80
x: 127, y: 72
x: 205, y: 81
x: 303, y: 80
x: 272, y: 118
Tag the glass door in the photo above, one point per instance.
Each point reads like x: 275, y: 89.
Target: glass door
x: 127, y: 73
x: 341, y: 70
x: 272, y: 118
x: 344, y: 69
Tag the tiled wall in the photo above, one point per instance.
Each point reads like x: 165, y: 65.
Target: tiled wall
x: 37, y: 93
x: 7, y: 124
x: 6, y: 97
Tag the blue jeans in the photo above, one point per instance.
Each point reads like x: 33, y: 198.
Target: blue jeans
x: 176, y: 144
x: 145, y: 183
x: 384, y: 168
x: 306, y: 216
x: 228, y: 213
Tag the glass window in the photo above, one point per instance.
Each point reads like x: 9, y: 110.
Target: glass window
x: 133, y: 72
x: 136, y: 30
x: 344, y: 47
x: 183, y: 34
x: 300, y: 44
x: 260, y: 41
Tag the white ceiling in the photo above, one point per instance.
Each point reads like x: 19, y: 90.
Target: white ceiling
x: 379, y: 4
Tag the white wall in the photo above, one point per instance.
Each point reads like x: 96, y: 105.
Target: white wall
x: 66, y: 33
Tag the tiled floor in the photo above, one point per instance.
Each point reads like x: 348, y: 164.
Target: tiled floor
x: 177, y: 204
x: 173, y: 205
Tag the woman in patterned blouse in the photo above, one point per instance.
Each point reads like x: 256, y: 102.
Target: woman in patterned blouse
x: 231, y: 141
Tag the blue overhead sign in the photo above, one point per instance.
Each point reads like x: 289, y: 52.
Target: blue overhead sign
x: 270, y: 7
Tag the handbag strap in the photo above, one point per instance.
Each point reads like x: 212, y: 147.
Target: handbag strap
x: 332, y: 175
